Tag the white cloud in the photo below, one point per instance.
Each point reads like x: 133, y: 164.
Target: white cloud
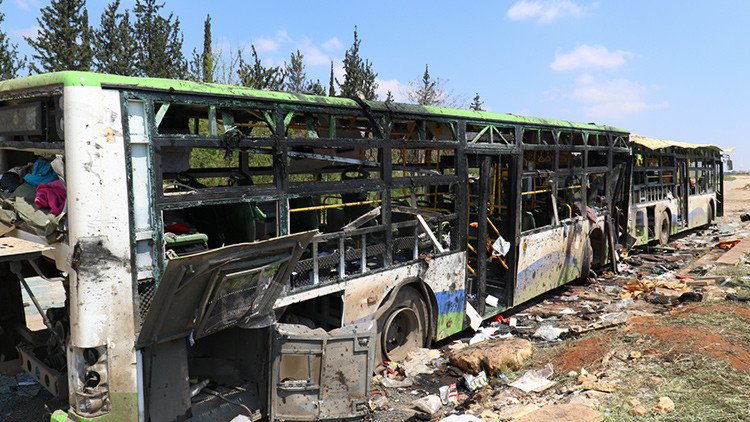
x: 543, y: 11
x: 314, y: 56
x: 332, y: 44
x: 26, y: 5
x: 398, y: 90
x: 266, y: 45
x: 612, y: 98
x: 590, y: 57
x: 31, y: 32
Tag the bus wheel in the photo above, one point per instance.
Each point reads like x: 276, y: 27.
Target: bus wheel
x: 666, y: 225
x: 403, y: 326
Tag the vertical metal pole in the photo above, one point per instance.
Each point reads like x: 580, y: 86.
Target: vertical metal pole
x: 363, y: 247
x: 342, y: 258
x: 386, y: 174
x: 485, y: 179
x: 316, y: 264
x: 280, y: 179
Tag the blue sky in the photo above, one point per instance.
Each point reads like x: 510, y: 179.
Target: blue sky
x: 665, y: 69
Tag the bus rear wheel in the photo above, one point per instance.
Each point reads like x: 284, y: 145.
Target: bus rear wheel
x: 403, y: 326
x: 665, y: 228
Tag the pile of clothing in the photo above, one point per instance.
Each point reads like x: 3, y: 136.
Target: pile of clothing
x: 34, y: 195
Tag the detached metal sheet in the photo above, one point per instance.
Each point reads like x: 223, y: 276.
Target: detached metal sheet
x: 319, y: 375
x: 207, y: 292
x: 654, y: 144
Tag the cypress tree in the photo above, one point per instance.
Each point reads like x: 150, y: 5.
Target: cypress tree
x: 64, y: 41
x: 331, y: 88
x: 159, y: 42
x: 202, y: 66
x: 359, y: 78
x: 10, y: 63
x: 208, y: 55
x: 113, y: 43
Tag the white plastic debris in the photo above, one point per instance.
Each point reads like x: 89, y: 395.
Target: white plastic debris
x: 475, y: 320
x: 430, y: 404
x: 549, y: 332
x: 500, y: 247
x: 461, y: 418
x: 474, y: 382
x: 491, y: 301
x: 535, y: 380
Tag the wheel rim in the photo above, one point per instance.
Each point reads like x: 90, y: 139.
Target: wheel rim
x: 401, y: 334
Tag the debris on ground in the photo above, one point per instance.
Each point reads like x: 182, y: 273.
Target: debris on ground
x: 535, y: 380
x: 665, y: 405
x: 494, y: 356
x: 563, y: 413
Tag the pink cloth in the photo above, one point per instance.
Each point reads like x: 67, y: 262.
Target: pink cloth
x: 51, y: 195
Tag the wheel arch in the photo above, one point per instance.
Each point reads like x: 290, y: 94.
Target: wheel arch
x: 428, y: 295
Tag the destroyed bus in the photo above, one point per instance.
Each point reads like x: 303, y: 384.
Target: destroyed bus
x: 230, y: 251
x: 676, y: 186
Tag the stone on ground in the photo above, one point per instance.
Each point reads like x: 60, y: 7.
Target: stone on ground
x: 563, y: 413
x: 493, y: 356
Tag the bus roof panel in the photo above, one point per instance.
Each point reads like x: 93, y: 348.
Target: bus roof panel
x: 72, y: 78
x: 654, y: 144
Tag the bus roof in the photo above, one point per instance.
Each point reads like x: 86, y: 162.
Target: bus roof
x: 73, y: 78
x: 654, y: 144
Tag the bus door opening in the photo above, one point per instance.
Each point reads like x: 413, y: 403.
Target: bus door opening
x: 491, y: 240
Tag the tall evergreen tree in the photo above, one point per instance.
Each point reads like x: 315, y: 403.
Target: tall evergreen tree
x: 64, y: 40
x: 255, y: 75
x: 359, y: 78
x: 10, y: 63
x: 295, y: 77
x: 331, y: 81
x: 432, y: 91
x: 477, y: 103
x: 113, y: 43
x: 203, y: 65
x: 159, y: 41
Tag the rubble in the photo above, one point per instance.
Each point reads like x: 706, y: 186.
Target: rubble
x: 494, y: 356
x: 563, y: 413
x: 665, y: 405
x: 535, y: 380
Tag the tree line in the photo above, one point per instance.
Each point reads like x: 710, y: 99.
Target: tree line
x: 147, y: 42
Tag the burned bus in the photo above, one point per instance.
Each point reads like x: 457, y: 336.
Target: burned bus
x: 676, y: 186
x: 219, y: 245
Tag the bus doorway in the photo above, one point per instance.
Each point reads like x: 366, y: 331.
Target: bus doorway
x: 683, y: 191
x: 493, y: 231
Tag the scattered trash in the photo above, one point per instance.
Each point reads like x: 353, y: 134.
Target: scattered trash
x: 449, y: 394
x: 474, y: 382
x: 744, y: 217
x: 727, y: 244
x: 419, y: 361
x: 665, y: 405
x: 486, y: 333
x: 535, y: 380
x: 475, y: 320
x: 635, y: 355
x: 549, y: 332
x: 394, y: 383
x: 491, y: 301
x: 429, y: 404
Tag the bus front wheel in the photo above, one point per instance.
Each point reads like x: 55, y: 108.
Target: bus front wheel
x: 665, y: 228
x: 402, y: 327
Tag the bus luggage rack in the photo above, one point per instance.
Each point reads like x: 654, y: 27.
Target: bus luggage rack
x: 326, y: 264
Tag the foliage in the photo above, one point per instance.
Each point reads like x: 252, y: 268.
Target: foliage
x: 359, y: 78
x: 255, y: 75
x: 203, y: 65
x: 64, y: 38
x: 476, y: 103
x: 114, y: 48
x: 159, y: 42
x: 331, y: 81
x: 431, y: 91
x: 10, y: 63
x: 296, y: 77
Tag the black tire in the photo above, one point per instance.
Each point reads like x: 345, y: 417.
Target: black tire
x: 665, y: 228
x: 403, y: 326
x: 588, y: 256
x: 710, y: 214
